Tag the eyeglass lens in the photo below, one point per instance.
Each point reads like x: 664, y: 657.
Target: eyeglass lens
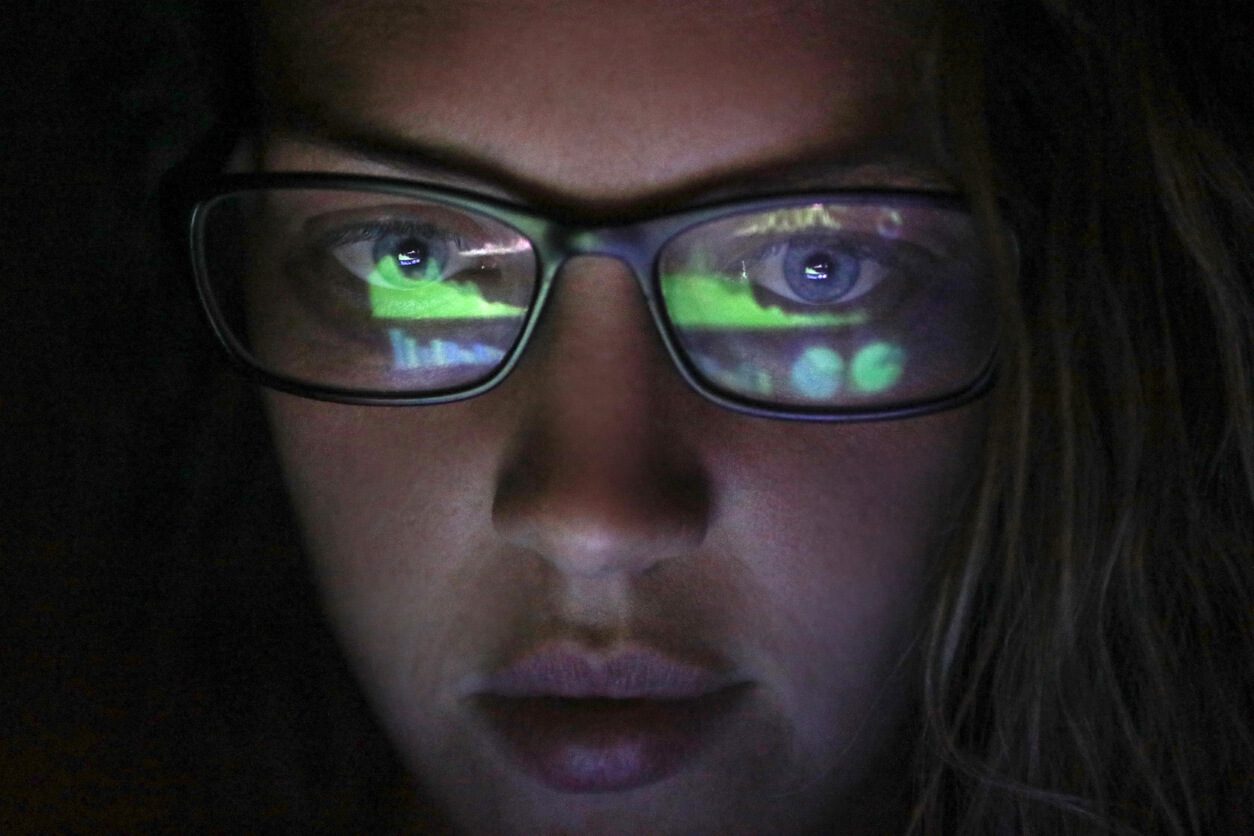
x: 367, y: 292
x: 832, y: 305
x: 828, y: 305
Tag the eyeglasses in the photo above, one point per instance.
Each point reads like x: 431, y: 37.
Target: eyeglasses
x: 837, y: 306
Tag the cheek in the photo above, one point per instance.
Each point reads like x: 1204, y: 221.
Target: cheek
x: 391, y: 508
x: 811, y: 574
x: 846, y: 525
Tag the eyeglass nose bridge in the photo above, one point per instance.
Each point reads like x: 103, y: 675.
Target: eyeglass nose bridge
x: 636, y: 246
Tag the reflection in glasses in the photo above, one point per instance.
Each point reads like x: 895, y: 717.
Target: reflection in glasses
x: 841, y: 303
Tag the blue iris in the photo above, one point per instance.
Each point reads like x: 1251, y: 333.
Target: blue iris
x: 413, y: 254
x: 818, y: 273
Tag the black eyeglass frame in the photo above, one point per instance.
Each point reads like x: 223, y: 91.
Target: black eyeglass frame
x: 636, y: 243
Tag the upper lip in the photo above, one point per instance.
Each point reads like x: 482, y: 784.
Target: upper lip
x: 631, y: 672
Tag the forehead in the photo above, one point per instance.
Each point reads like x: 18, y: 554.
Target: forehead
x: 603, y: 101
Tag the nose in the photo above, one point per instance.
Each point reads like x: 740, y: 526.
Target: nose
x: 598, y: 479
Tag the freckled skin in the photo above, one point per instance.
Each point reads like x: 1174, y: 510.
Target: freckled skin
x: 592, y: 494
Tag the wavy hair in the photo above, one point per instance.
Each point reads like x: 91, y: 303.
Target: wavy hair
x: 1088, y: 661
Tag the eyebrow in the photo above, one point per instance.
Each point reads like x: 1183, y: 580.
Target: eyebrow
x: 401, y: 157
x: 415, y: 159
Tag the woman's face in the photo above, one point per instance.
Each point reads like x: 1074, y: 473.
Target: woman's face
x: 590, y: 600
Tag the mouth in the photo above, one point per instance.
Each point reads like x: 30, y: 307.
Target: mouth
x: 583, y: 722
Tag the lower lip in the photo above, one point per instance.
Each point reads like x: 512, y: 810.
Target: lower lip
x: 604, y: 745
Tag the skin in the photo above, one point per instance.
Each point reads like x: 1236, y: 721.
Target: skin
x: 593, y: 496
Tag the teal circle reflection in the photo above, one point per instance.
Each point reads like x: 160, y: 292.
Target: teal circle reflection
x: 818, y: 373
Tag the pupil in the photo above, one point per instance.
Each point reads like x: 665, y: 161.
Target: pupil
x: 411, y: 255
x: 818, y: 267
x: 820, y: 274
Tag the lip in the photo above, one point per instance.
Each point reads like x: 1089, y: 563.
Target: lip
x: 585, y: 722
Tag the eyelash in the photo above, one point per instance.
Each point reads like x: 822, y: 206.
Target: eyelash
x: 374, y: 230
x: 860, y: 246
x: 887, y: 260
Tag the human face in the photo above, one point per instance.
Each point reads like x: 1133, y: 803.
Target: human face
x: 592, y: 530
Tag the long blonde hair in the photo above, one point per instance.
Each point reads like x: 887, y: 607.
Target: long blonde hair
x: 1089, y: 664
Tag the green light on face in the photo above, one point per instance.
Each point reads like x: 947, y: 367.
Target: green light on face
x: 877, y: 366
x: 697, y: 300
x: 393, y: 295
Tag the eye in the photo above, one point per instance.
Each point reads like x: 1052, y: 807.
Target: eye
x: 413, y: 256
x: 817, y: 270
x: 395, y: 255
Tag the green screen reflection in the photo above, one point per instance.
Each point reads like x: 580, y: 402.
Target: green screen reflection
x: 707, y: 303
x: 812, y: 371
x: 394, y: 295
x: 877, y: 366
x: 711, y: 300
x: 765, y: 351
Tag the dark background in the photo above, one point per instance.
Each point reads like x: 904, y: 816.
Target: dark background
x: 163, y: 665
x: 96, y: 406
